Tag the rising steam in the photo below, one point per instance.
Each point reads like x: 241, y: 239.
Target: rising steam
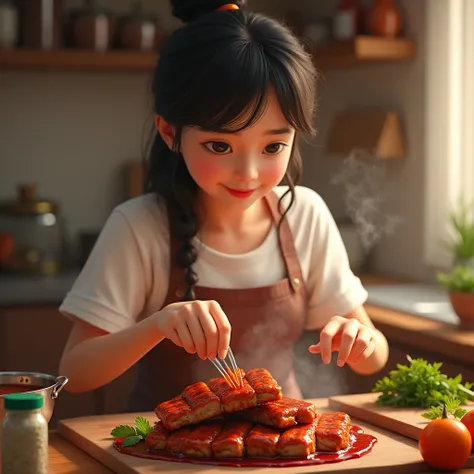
x: 363, y: 178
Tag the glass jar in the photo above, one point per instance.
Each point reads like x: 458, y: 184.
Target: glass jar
x: 92, y: 27
x: 24, y: 435
x: 41, y: 23
x: 9, y: 31
x: 32, y: 235
x: 138, y: 30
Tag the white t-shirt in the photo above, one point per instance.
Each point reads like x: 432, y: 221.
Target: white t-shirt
x: 126, y: 276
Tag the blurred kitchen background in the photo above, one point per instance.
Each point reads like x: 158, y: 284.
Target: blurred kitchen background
x: 75, y: 117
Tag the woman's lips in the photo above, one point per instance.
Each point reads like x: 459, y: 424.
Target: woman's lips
x: 240, y: 193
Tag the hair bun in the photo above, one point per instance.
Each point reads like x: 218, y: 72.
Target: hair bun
x: 189, y: 10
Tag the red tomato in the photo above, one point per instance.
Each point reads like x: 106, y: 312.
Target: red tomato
x: 468, y: 420
x: 445, y: 444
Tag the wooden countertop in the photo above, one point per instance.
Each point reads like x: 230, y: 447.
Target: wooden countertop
x: 65, y: 458
x: 445, y: 339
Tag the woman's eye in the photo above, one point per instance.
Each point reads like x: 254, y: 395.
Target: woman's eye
x: 274, y: 148
x: 220, y: 148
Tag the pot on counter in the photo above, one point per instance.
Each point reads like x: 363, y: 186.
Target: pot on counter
x: 46, y: 385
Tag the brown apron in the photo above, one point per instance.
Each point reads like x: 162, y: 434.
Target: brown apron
x: 266, y: 323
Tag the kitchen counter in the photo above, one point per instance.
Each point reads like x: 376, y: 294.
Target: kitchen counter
x: 35, y: 290
x: 66, y: 458
x: 427, y: 333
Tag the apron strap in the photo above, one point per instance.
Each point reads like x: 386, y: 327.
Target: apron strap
x: 287, y: 243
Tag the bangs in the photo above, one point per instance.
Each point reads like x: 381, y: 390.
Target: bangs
x: 231, y: 90
x: 227, y: 89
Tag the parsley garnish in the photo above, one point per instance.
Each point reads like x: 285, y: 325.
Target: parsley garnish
x: 452, y: 407
x: 133, y: 434
x: 422, y: 384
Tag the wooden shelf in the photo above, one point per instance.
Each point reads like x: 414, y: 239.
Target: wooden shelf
x: 77, y: 60
x: 364, y: 50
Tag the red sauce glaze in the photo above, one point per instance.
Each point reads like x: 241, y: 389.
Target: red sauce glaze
x: 360, y: 445
x: 18, y: 388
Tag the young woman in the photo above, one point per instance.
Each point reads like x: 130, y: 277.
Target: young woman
x: 224, y: 248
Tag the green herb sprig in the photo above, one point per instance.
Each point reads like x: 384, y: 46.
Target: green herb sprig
x: 421, y: 384
x: 453, y: 407
x: 133, y: 434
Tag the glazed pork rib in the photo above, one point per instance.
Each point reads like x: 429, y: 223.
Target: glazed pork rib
x: 199, y: 442
x: 203, y: 402
x: 333, y: 431
x: 176, y: 439
x: 174, y: 413
x: 307, y: 412
x: 157, y: 438
x: 262, y: 442
x: 233, y: 399
x: 200, y: 401
x: 230, y: 443
x: 224, y: 438
x: 265, y: 386
x: 298, y: 441
x: 282, y: 413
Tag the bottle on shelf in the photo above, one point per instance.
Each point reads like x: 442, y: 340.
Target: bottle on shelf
x: 348, y: 20
x: 385, y: 19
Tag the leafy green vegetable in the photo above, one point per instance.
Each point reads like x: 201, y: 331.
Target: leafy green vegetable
x: 121, y: 431
x: 421, y: 384
x: 131, y: 440
x: 143, y: 426
x: 453, y: 407
x: 133, y: 434
x: 462, y: 223
x: 459, y: 280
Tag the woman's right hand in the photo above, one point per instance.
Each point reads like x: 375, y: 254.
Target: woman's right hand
x: 198, y: 326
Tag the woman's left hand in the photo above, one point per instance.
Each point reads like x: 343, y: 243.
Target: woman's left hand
x: 353, y: 340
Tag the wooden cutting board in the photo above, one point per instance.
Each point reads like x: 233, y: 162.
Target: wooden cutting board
x: 392, y: 454
x: 404, y: 421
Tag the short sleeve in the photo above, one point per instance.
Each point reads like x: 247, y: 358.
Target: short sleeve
x: 333, y: 289
x: 110, y: 291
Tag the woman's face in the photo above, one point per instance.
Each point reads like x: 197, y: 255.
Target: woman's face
x: 237, y: 169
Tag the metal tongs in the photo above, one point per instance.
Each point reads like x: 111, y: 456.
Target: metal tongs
x: 232, y: 374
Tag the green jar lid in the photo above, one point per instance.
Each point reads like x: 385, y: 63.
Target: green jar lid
x: 23, y: 401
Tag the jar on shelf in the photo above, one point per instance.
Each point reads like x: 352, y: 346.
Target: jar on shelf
x: 138, y: 30
x: 385, y: 19
x: 91, y: 27
x: 9, y: 30
x: 348, y: 20
x: 32, y: 235
x: 41, y: 23
x: 24, y: 435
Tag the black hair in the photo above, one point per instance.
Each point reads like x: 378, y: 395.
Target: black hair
x: 214, y: 72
